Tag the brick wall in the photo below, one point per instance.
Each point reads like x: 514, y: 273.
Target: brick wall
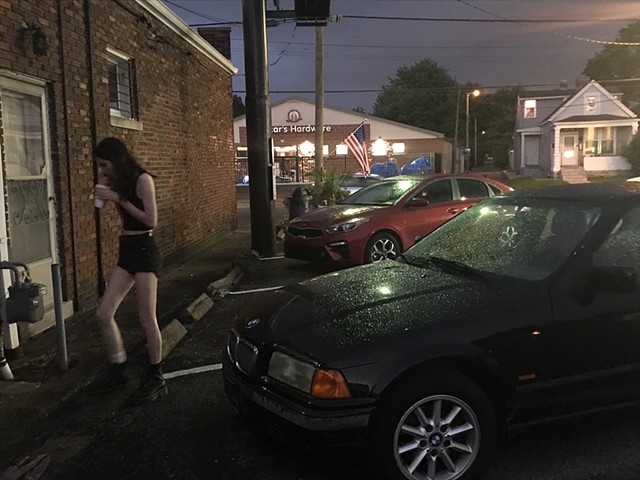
x: 185, y: 107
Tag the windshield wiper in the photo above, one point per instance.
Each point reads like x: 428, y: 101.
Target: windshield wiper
x: 457, y: 267
x: 414, y: 261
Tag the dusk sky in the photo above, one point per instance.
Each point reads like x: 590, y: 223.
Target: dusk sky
x: 362, y: 54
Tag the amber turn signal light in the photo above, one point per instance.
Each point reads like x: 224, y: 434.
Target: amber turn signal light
x: 329, y: 384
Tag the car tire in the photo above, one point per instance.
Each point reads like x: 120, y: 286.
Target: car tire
x: 437, y: 425
x: 382, y: 246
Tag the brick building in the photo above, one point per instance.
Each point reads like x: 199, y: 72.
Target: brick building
x: 75, y: 71
x: 293, y: 133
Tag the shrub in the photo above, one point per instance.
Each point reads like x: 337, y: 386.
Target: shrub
x: 632, y: 152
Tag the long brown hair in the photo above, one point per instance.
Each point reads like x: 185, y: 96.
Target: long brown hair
x: 125, y: 166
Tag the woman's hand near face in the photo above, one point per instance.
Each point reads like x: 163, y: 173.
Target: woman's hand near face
x: 103, y: 192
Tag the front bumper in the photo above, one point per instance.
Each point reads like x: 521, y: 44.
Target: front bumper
x: 338, y: 252
x: 343, y: 424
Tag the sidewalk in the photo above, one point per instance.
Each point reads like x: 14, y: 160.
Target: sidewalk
x: 31, y: 404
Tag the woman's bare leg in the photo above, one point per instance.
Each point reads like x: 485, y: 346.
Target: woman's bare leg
x: 147, y: 295
x: 118, y: 286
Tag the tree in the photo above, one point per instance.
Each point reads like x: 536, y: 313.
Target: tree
x: 238, y: 106
x: 423, y: 95
x: 618, y: 62
x: 496, y: 114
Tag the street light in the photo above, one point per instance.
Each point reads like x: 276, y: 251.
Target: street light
x: 467, y: 152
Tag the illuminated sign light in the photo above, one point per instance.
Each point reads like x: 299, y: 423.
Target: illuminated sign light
x: 299, y: 129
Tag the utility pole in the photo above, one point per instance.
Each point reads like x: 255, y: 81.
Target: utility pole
x: 467, y: 149
x: 319, y: 139
x: 475, y: 141
x: 259, y: 140
x: 455, y: 167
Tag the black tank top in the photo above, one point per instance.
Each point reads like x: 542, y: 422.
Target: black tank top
x: 128, y: 221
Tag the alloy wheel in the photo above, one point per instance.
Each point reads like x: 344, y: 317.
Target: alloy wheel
x: 437, y: 439
x: 383, y: 248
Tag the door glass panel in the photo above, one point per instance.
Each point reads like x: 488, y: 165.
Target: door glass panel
x: 470, y: 188
x: 568, y: 147
x: 27, y: 200
x: 28, y: 220
x: 438, y: 192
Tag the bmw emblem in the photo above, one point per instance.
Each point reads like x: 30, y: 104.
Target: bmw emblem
x: 253, y: 323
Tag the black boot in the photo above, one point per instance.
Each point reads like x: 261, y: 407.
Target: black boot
x: 152, y: 387
x: 113, y: 379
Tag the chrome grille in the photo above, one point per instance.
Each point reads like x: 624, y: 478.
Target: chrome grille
x: 304, y: 232
x: 242, y: 353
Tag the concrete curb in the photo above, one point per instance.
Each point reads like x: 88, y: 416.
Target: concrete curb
x: 198, y: 308
x: 225, y: 283
x: 175, y: 331
x: 171, y: 336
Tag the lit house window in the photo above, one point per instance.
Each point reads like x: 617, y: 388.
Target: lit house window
x: 529, y: 109
x: 600, y: 141
x: 121, y: 84
x: 397, y: 148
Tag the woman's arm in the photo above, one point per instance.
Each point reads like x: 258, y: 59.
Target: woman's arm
x: 146, y: 191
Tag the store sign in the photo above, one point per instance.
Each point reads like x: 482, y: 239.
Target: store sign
x: 299, y: 129
x: 294, y: 116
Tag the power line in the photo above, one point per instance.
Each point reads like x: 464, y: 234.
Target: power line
x: 482, y: 20
x: 445, y: 89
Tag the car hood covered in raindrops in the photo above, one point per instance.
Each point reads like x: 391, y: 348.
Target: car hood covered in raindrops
x: 342, y: 314
x: 334, y: 214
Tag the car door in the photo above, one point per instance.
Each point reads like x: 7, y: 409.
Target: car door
x: 429, y: 208
x: 594, y: 338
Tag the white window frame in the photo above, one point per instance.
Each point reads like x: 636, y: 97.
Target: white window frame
x: 124, y: 113
x: 600, y: 135
x: 530, y: 109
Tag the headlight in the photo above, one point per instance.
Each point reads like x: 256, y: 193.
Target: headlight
x: 291, y: 371
x: 318, y: 382
x: 347, y: 226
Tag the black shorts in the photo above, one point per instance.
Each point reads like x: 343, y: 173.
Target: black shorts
x: 139, y: 253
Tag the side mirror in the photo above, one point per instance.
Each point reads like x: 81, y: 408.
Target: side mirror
x: 418, y: 202
x: 612, y: 280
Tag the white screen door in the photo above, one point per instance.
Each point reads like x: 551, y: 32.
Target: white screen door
x: 27, y: 178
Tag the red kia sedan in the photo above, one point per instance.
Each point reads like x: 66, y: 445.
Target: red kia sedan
x: 382, y: 220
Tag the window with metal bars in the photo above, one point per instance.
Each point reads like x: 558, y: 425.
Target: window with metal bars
x: 122, y: 95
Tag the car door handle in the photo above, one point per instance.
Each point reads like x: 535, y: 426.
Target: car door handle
x: 453, y: 211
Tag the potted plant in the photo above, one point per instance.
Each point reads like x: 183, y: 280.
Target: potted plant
x: 326, y: 189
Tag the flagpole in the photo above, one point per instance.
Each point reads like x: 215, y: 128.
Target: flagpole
x: 361, y: 123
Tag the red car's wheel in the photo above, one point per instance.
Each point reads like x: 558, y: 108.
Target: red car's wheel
x: 382, y: 246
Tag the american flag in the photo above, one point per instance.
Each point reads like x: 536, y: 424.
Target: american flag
x: 358, y: 148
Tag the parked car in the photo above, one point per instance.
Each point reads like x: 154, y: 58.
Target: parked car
x: 524, y: 308
x: 357, y: 181
x: 382, y: 220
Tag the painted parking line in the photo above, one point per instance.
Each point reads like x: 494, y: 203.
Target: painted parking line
x: 193, y: 371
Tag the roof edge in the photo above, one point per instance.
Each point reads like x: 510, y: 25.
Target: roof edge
x: 178, y: 26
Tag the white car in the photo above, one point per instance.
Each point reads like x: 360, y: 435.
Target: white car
x: 354, y: 183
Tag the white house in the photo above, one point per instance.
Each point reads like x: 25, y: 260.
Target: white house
x: 569, y: 135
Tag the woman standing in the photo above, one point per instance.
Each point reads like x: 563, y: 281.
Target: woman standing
x: 131, y: 188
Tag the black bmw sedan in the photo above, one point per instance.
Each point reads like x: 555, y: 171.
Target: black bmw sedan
x: 522, y: 309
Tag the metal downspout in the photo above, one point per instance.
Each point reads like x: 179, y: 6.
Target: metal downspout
x: 67, y: 143
x: 94, y: 137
